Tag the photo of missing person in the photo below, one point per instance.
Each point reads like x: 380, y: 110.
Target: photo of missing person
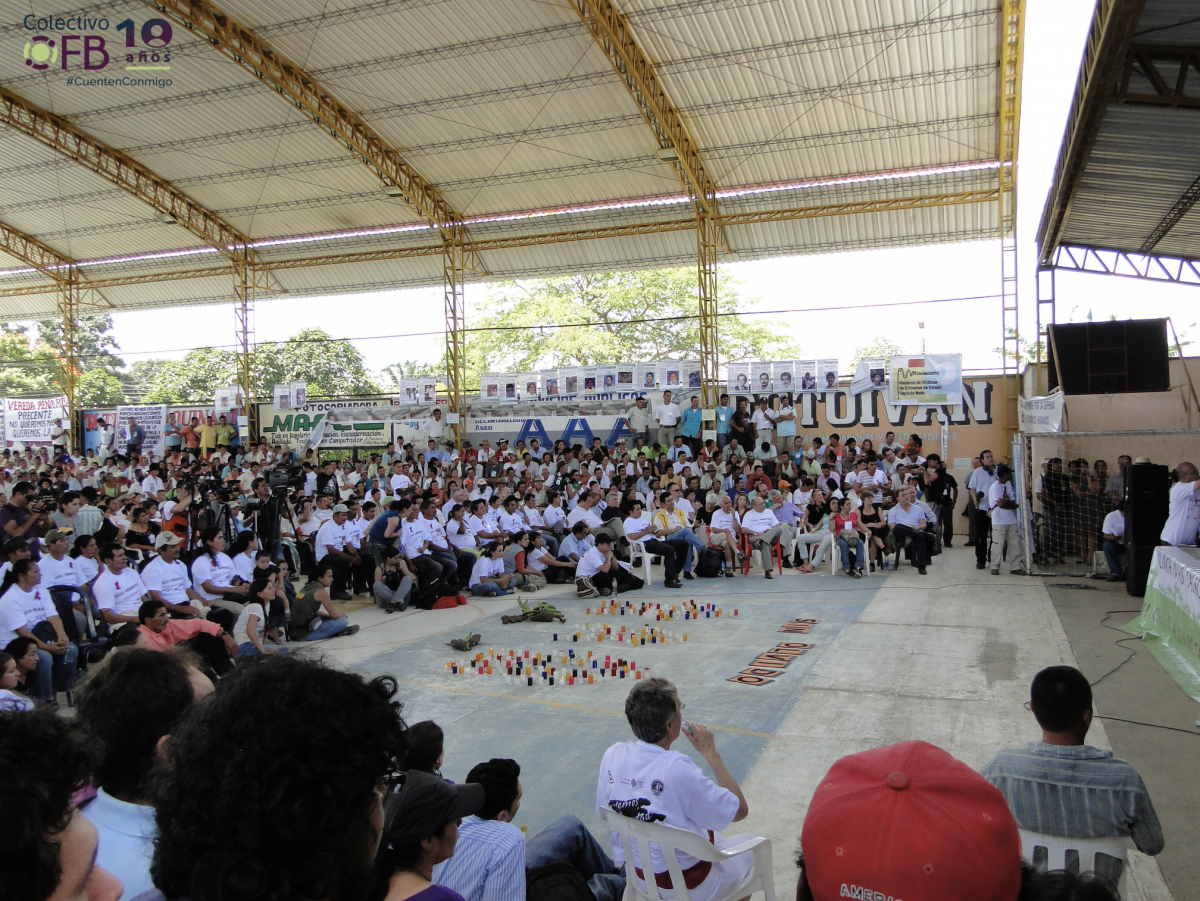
x: 552, y: 386
x: 531, y: 389
x: 493, y: 390
x: 877, y: 378
x: 649, y: 380
x: 808, y: 382
x: 510, y: 389
x: 743, y: 382
x: 572, y: 384
x: 831, y: 380
x: 589, y: 383
x: 694, y: 379
x: 609, y: 381
x: 785, y: 381
x: 625, y: 377
x: 764, y: 381
x: 672, y: 376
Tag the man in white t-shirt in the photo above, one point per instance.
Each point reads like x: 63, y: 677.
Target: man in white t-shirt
x: 764, y: 422
x: 601, y: 566
x: 980, y: 484
x: 118, y: 591
x: 1002, y: 499
x: 399, y: 480
x: 435, y: 428
x: 1114, y: 542
x: 762, y: 529
x: 647, y: 781
x: 167, y: 579
x: 667, y: 416
x: 1184, y: 519
x: 723, y: 531
x: 640, y: 527
x: 333, y: 542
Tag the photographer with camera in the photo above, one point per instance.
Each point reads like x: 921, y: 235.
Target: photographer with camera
x: 23, y: 514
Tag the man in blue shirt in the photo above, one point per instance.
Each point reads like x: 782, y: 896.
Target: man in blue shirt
x: 1061, y: 786
x: 724, y: 415
x: 491, y: 855
x: 691, y: 424
x: 136, y: 438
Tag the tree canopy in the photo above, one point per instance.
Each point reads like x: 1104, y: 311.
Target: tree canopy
x: 648, y: 315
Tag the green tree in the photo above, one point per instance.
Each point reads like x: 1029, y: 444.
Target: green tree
x: 649, y: 315
x: 332, y: 368
x: 100, y: 388
x: 880, y: 347
x: 96, y: 341
x: 1026, y: 352
x: 27, y: 368
x: 408, y: 369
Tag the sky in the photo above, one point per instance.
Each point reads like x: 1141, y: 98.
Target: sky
x: 1054, y: 38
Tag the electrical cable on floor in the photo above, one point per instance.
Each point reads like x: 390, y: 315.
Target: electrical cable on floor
x: 1118, y: 643
x: 1151, y: 725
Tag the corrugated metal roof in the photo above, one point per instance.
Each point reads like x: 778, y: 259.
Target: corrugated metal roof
x: 510, y: 107
x: 1139, y: 159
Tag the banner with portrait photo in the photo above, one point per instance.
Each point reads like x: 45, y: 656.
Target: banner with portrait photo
x: 489, y: 386
x: 427, y: 389
x: 152, y: 418
x: 783, y: 374
x: 738, y: 375
x: 827, y: 375
x: 550, y: 383
x: 806, y: 375
x: 299, y: 394
x: 509, y: 385
x: 760, y: 376
x: 590, y: 382
x: 645, y: 376
x: 693, y: 373
x: 282, y: 396
x: 529, y: 386
x: 226, y: 398
x: 870, y: 374
x: 410, y: 391
x: 626, y: 377
x: 568, y: 380
x: 30, y: 421
x: 607, y: 382
x: 926, y: 379
x: 669, y: 374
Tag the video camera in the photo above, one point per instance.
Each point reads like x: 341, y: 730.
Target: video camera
x: 280, y: 480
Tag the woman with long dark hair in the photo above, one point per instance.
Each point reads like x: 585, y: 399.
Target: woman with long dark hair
x: 213, y: 573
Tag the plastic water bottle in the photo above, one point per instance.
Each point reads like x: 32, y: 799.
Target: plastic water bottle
x: 613, y: 594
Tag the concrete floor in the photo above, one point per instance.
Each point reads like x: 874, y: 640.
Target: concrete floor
x: 1140, y: 690
x: 947, y: 658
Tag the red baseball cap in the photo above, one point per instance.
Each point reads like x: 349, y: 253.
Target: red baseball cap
x: 909, y: 822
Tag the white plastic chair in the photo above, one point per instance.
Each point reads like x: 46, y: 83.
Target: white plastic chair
x: 1076, y: 855
x: 636, y: 547
x: 669, y: 840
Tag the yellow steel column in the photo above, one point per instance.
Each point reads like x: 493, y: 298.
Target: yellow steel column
x: 1012, y: 23
x: 453, y: 275
x: 244, y: 286
x: 707, y: 236
x: 68, y: 358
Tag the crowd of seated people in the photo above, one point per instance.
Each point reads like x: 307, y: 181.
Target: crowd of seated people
x: 290, y: 779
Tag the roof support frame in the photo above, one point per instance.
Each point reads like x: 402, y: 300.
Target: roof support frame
x: 1106, y: 261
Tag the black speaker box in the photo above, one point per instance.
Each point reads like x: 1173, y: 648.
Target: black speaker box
x: 1138, y: 558
x: 1147, y: 503
x: 1110, y: 357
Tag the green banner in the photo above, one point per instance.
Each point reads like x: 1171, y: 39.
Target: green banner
x: 1169, y: 623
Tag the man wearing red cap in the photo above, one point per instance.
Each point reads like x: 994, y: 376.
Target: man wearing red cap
x: 908, y: 821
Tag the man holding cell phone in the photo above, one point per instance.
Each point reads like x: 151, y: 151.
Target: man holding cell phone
x: 647, y: 781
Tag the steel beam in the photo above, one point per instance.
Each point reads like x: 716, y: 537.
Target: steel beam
x: 480, y: 245
x: 1012, y: 23
x: 125, y: 172
x: 247, y: 281
x: 1111, y: 33
x: 1105, y: 261
x: 249, y: 50
x: 454, y: 266
x: 612, y: 32
x: 1046, y: 312
x: 1160, y: 75
x: 1174, y: 216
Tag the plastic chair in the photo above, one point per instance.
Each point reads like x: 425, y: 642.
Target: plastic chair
x: 669, y: 840
x: 776, y: 555
x: 638, y: 546
x: 1076, y: 855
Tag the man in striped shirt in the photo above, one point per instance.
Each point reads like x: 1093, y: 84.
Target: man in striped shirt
x: 1063, y: 787
x: 491, y: 855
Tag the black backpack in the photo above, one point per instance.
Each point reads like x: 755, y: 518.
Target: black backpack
x: 708, y: 565
x: 556, y: 881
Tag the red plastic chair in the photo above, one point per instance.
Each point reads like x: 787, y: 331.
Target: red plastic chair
x: 776, y: 553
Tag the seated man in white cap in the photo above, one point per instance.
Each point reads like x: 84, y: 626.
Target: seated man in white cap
x: 167, y: 579
x: 647, y: 781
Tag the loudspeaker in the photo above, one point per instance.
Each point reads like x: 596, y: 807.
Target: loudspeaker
x: 1110, y: 357
x: 1147, y: 503
x: 1138, y: 558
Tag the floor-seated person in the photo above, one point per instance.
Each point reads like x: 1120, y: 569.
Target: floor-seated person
x: 492, y: 854
x: 647, y: 781
x: 1063, y: 786
x: 602, y: 567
